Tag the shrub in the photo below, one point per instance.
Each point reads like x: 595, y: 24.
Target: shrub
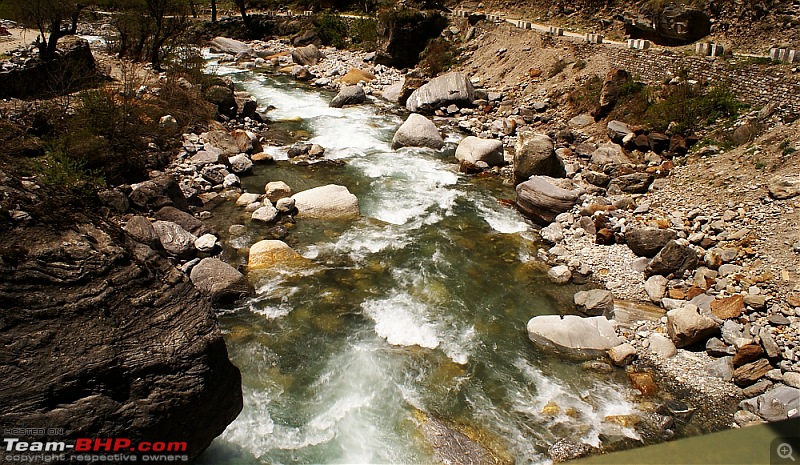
x: 689, y: 106
x: 331, y: 30
x: 438, y: 56
x: 586, y: 97
x: 364, y: 33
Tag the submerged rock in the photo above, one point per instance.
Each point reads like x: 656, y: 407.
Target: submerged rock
x: 451, y: 446
x: 331, y: 202
x: 268, y: 253
x: 573, y: 336
x: 220, y: 281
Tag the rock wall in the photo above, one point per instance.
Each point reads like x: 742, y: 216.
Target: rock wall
x: 758, y: 85
x: 103, y: 337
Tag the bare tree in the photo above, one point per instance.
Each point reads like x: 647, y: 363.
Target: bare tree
x: 53, y: 19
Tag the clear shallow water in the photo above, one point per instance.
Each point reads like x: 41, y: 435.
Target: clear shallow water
x: 421, y: 304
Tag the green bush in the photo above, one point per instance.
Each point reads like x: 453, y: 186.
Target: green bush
x: 363, y: 33
x: 689, y: 106
x: 331, y: 30
x: 438, y: 56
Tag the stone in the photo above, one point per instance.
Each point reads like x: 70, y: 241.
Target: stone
x: 349, y: 95
x: 634, y: 183
x: 244, y: 141
x: 541, y: 199
x: 595, y: 302
x: 285, y: 205
x: 728, y: 307
x: 205, y: 243
x: 661, y: 345
x: 686, y: 326
x: 231, y: 46
x: 656, y: 287
x: 157, y: 193
x: 747, y: 353
x: 721, y: 368
x: 559, y: 274
x: 265, y: 214
x: 779, y: 403
x: 277, y: 190
x: 612, y: 89
x: 269, y: 253
x: 331, y: 202
x: 535, y: 156
x: 114, y: 199
x: 219, y: 280
x: 622, y: 354
x: 246, y: 199
x: 749, y: 373
x: 417, y: 131
x: 354, y: 76
x: 643, y: 382
x: 141, y: 230
x: 784, y: 187
x: 441, y: 91
x: 301, y: 73
x: 581, y: 121
x: 757, y: 389
x: 716, y: 348
x: 675, y: 258
x: 307, y: 56
x: 175, y: 240
x: 617, y: 131
x: 792, y: 379
x: 670, y: 24
x: 610, y: 154
x: 223, y: 141
x: 745, y: 418
x: 647, y: 242
x: 776, y: 319
x: 771, y: 347
x: 473, y: 149
x: 223, y: 98
x: 573, y: 336
x: 659, y: 143
x: 566, y: 449
x: 185, y: 220
x: 240, y: 163
x: 392, y: 93
x: 231, y: 180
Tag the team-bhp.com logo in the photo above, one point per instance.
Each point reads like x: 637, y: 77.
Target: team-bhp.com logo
x: 97, y: 450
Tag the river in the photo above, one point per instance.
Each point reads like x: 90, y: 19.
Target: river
x: 419, y: 306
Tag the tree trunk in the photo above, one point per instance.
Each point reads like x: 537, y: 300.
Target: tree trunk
x: 213, y: 11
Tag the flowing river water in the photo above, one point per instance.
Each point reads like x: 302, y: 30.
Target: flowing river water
x: 419, y: 306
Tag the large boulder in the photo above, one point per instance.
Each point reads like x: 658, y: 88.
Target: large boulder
x: 354, y: 76
x: 231, y: 46
x: 686, y: 326
x: 175, y: 240
x: 573, y: 336
x: 417, y: 131
x: 141, y: 230
x: 675, y: 258
x: 784, y: 187
x: 157, y: 193
x: 307, y: 56
x: 224, y: 99
x: 541, y: 199
x: 222, y: 140
x: 331, y: 202
x: 777, y: 404
x: 220, y: 281
x: 610, y: 154
x: 448, y: 89
x: 474, y: 149
x: 535, y: 156
x: 633, y: 183
x: 116, y: 342
x: 269, y: 253
x: 647, y: 242
x: 612, y: 89
x: 404, y: 34
x: 617, y: 131
x: 185, y: 220
x: 595, y: 302
x: 349, y: 95
x: 672, y: 23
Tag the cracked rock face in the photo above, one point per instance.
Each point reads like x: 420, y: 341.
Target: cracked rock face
x: 103, y: 337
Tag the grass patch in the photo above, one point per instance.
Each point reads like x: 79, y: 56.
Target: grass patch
x: 787, y: 148
x: 586, y: 97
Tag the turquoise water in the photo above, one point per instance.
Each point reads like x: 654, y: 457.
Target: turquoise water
x: 420, y: 305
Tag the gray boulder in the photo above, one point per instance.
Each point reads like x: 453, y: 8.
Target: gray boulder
x: 541, y: 199
x: 573, y: 336
x: 265, y: 214
x: 327, y: 202
x: 595, y: 302
x: 686, y: 326
x: 535, y: 156
x: 185, y: 220
x: 175, y: 240
x: 617, y: 130
x: 662, y: 346
x: 240, y: 163
x: 222, y: 140
x: 610, y: 154
x: 231, y: 46
x: 633, y: 183
x: 647, y: 242
x: 675, y: 258
x: 451, y: 88
x: 656, y: 287
x: 473, y: 149
x: 417, y: 131
x: 777, y: 403
x: 157, y: 193
x: 141, y: 230
x: 349, y: 95
x: 307, y: 56
x: 220, y: 281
